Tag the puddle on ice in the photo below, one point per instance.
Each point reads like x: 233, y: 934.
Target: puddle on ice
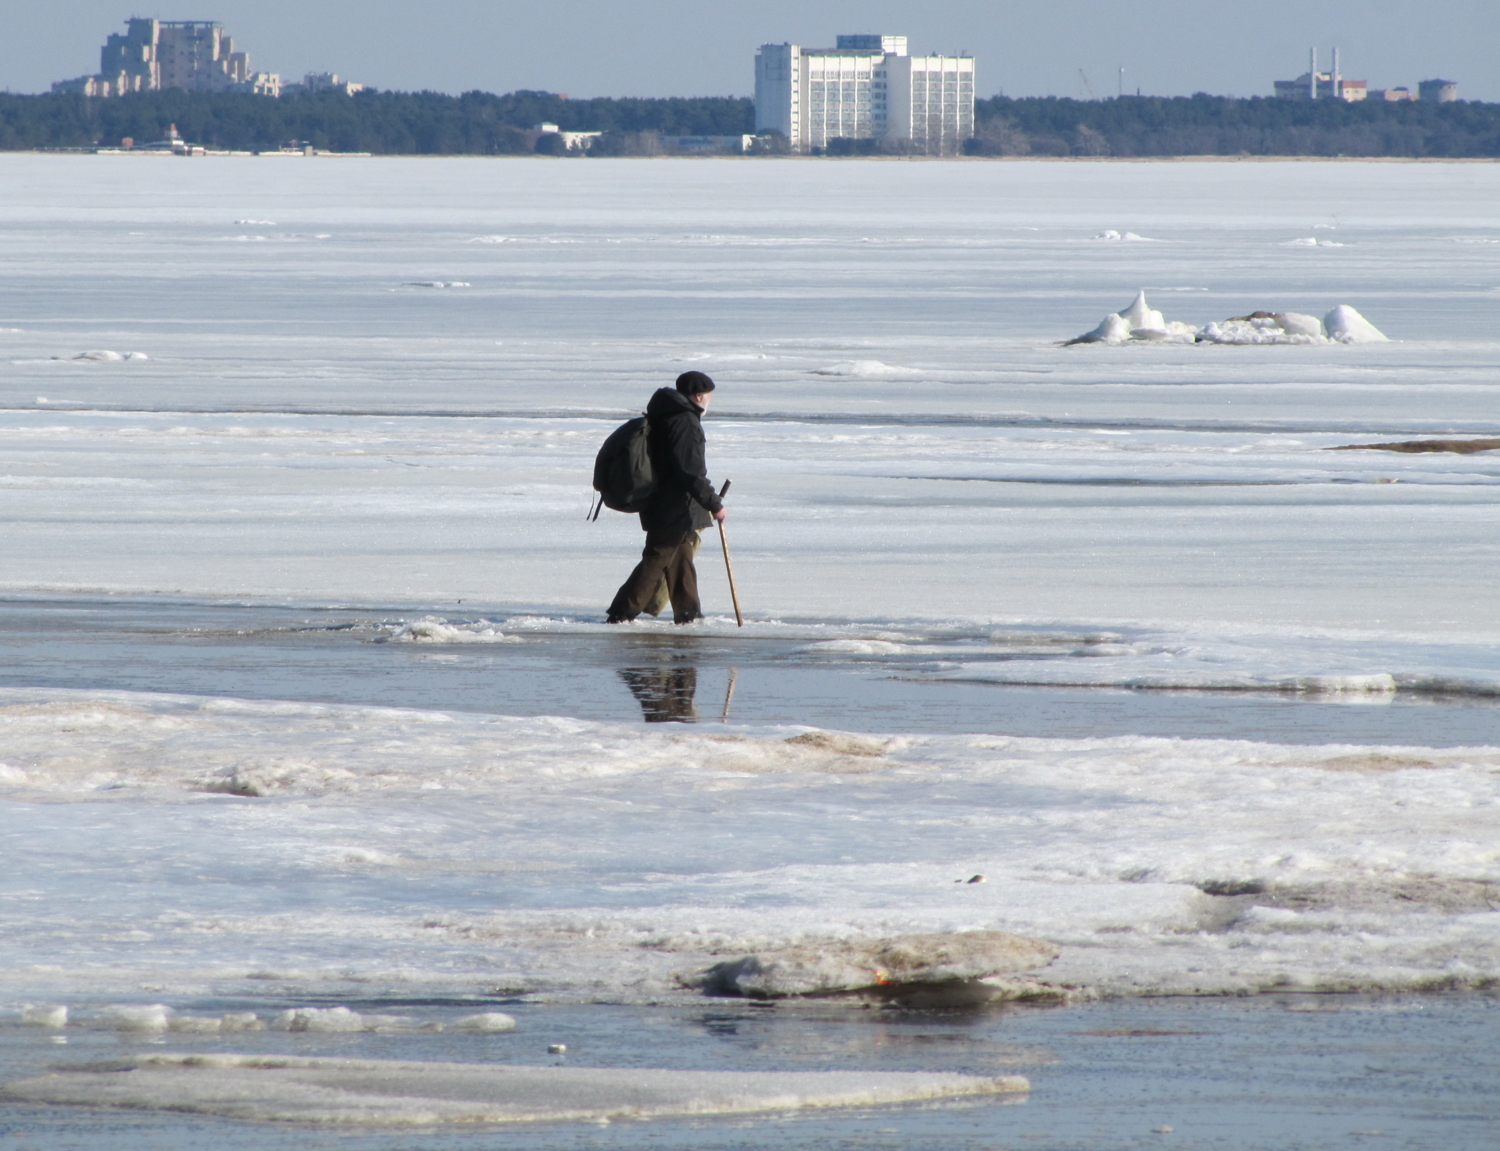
x: 847, y: 677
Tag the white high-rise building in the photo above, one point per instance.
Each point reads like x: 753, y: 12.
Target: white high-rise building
x: 195, y: 55
x: 866, y: 88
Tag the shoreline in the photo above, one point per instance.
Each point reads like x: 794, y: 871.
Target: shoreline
x: 1205, y: 158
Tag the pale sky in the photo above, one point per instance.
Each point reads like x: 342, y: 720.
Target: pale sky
x: 707, y: 47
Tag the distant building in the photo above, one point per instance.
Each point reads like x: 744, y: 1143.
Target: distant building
x: 193, y: 55
x: 865, y: 88
x: 571, y: 141
x: 322, y: 82
x: 1315, y: 85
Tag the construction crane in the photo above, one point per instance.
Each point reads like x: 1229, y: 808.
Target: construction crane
x: 1087, y: 85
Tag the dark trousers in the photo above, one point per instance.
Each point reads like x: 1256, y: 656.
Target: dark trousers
x: 669, y: 555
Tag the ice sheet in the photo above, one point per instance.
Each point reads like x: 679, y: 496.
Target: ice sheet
x: 364, y: 1092
x: 223, y: 846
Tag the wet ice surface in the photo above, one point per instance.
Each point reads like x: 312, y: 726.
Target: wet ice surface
x: 913, y: 677
x: 1208, y: 705
x: 1280, y: 1071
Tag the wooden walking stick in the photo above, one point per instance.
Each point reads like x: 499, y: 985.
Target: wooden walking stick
x: 729, y: 567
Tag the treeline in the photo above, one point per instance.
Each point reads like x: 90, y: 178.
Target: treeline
x: 478, y: 123
x: 1220, y: 126
x: 386, y: 123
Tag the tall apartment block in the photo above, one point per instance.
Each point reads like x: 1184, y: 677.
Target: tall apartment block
x: 865, y: 88
x: 195, y: 55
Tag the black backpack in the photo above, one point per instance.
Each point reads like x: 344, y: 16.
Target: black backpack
x: 623, y: 475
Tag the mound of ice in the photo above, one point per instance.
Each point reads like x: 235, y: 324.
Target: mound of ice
x: 336, y: 1019
x: 486, y: 1022
x: 1140, y: 323
x: 1113, y: 329
x: 366, y: 1092
x: 1142, y: 316
x: 1257, y: 330
x: 45, y: 1015
x: 1347, y: 326
x: 886, y: 968
x: 433, y: 630
x: 1111, y: 234
x: 1298, y: 324
x: 862, y: 370
x: 1311, y: 242
x: 128, y: 1017
x: 437, y: 284
x: 489, y: 240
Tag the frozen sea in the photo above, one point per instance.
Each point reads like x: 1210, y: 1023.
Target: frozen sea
x: 307, y: 699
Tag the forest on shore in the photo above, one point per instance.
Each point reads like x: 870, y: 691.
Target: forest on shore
x: 480, y: 123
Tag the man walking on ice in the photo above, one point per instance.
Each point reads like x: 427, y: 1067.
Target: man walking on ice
x: 683, y: 504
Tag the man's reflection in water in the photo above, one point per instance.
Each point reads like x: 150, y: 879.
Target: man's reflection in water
x: 664, y: 693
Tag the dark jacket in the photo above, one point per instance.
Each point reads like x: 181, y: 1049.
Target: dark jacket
x: 684, y: 498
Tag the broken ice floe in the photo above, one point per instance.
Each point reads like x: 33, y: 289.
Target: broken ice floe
x: 432, y: 630
x: 369, y: 1091
x: 1141, y: 323
x: 1126, y: 237
x: 1311, y: 242
x: 337, y: 1020
x: 437, y: 284
x: 930, y: 970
